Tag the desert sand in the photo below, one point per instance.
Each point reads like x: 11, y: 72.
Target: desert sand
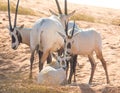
x: 14, y: 64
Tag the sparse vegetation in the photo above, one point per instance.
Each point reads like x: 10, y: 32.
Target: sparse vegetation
x: 14, y: 65
x: 77, y: 16
x: 19, y: 83
x: 116, y: 21
x: 24, y: 11
x: 21, y: 86
x: 83, y: 17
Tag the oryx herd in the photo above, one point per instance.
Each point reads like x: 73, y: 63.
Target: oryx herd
x: 57, y: 34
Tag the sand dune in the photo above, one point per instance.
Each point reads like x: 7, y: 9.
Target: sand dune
x: 14, y: 64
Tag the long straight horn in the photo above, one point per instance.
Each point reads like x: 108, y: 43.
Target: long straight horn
x: 65, y: 7
x: 73, y: 29
x: 9, y: 16
x: 66, y: 28
x: 58, y: 6
x: 16, y: 13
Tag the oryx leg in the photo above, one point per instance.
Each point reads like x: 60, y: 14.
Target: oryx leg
x: 73, y: 63
x: 93, y: 66
x: 74, y: 66
x: 31, y: 62
x: 100, y: 56
x: 71, y: 72
x: 67, y: 68
x: 49, y: 58
x: 44, y: 57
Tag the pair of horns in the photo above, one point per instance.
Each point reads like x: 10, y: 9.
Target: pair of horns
x: 66, y: 29
x: 59, y: 9
x: 15, y: 20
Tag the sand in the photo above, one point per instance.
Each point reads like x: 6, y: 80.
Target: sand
x: 14, y: 64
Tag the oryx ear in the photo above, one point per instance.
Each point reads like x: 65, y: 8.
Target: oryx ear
x: 55, y: 56
x: 53, y: 13
x: 71, y: 14
x: 62, y: 35
x: 21, y: 27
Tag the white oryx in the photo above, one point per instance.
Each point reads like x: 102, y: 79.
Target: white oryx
x: 85, y: 43
x: 44, y: 38
x: 21, y: 34
x: 53, y: 73
x: 44, y: 35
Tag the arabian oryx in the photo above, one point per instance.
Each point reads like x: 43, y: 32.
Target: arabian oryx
x: 54, y: 73
x: 84, y: 43
x: 22, y: 35
x: 44, y: 35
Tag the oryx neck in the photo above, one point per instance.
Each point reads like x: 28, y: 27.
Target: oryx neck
x: 25, y: 35
x: 58, y: 19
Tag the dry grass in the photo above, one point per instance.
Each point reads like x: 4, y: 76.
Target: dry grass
x: 17, y: 83
x: 77, y: 16
x: 26, y: 86
x: 116, y: 21
x: 111, y: 90
x: 22, y: 10
x: 83, y: 17
x: 27, y: 11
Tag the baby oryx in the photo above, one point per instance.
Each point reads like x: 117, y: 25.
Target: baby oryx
x: 21, y: 34
x: 85, y: 43
x: 54, y: 73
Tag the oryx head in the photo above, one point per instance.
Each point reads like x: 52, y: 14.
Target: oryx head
x: 68, y: 39
x: 63, y: 17
x: 14, y: 33
x: 62, y: 60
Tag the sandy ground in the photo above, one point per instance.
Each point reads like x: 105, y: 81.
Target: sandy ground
x: 14, y: 64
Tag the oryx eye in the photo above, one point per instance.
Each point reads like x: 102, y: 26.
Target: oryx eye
x: 13, y: 39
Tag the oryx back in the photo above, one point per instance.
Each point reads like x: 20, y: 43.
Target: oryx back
x: 45, y: 34
x: 88, y: 42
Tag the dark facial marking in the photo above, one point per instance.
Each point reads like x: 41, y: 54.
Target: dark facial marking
x: 13, y: 39
x: 68, y: 53
x: 69, y: 46
x: 17, y: 32
x: 64, y: 41
x: 19, y: 37
x: 63, y: 63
